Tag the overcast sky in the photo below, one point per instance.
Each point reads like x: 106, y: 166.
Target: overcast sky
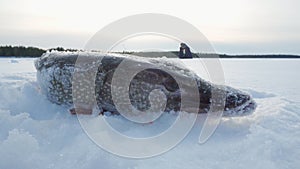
x: 232, y: 26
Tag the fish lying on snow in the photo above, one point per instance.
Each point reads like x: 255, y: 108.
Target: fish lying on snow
x: 55, y: 71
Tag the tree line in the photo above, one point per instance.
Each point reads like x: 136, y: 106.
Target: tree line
x: 18, y: 51
x: 22, y: 51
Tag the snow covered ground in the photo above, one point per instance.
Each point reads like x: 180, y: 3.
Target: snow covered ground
x: 35, y: 133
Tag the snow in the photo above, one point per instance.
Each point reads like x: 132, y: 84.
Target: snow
x: 35, y: 133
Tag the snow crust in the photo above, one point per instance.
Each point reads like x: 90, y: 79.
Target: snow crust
x: 34, y: 133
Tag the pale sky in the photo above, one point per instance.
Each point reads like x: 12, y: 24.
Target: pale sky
x: 232, y: 26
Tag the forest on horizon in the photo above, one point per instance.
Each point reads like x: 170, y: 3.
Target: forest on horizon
x: 22, y: 51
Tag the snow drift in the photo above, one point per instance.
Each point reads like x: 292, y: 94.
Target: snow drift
x: 34, y: 133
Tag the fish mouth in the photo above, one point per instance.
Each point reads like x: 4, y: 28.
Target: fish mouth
x: 245, y: 109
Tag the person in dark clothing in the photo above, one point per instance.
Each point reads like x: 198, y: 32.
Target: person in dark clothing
x: 184, y: 51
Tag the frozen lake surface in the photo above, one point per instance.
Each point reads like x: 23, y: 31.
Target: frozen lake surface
x: 35, y: 133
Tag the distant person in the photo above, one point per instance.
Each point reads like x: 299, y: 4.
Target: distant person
x: 184, y: 52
